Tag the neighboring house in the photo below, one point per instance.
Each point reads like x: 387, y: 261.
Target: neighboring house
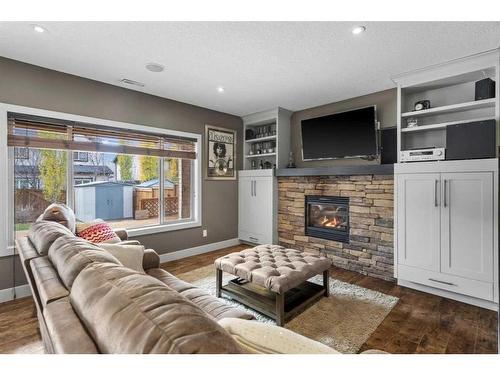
x: 85, y: 169
x: 136, y: 169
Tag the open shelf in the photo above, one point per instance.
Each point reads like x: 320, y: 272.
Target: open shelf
x: 442, y: 125
x: 260, y: 155
x: 486, y: 103
x: 263, y: 139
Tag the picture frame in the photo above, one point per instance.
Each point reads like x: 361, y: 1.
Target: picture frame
x: 220, y: 152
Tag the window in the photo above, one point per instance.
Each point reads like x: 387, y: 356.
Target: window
x: 81, y: 156
x: 121, y: 176
x: 39, y: 181
x: 79, y: 181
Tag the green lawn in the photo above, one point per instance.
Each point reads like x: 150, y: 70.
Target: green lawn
x: 22, y: 226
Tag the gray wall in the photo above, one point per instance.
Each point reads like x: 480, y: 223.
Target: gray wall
x: 386, y: 114
x: 33, y: 86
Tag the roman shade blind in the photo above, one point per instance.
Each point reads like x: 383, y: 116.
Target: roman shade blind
x: 47, y: 133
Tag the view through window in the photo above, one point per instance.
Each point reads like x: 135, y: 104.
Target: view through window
x: 123, y: 189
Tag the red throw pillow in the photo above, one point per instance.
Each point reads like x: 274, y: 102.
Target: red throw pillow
x: 97, y: 231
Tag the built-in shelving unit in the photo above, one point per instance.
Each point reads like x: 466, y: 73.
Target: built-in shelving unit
x: 450, y: 88
x: 269, y: 144
x: 446, y: 211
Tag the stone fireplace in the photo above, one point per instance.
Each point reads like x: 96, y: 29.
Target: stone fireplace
x: 362, y: 218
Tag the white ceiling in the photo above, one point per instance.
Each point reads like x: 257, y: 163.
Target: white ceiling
x: 261, y: 65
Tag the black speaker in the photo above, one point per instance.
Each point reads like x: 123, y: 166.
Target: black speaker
x: 388, y: 146
x: 473, y: 140
x: 485, y: 89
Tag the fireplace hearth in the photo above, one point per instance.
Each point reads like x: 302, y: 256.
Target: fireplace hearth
x: 327, y: 217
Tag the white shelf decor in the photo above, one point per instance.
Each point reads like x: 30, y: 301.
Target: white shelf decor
x: 277, y: 122
x: 262, y: 139
x: 450, y: 88
x: 460, y: 107
x: 442, y: 125
x: 261, y: 155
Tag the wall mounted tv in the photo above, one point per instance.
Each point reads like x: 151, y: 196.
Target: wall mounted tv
x: 340, y: 135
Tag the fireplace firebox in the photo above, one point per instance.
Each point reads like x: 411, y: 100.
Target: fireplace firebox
x: 327, y: 217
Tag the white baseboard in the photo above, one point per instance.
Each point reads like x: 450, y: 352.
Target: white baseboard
x: 444, y: 293
x: 198, y: 250
x: 21, y: 291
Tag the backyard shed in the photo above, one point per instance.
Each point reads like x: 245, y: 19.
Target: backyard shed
x: 105, y: 200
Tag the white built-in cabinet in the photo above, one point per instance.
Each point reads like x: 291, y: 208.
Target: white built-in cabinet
x: 257, y: 190
x: 446, y: 215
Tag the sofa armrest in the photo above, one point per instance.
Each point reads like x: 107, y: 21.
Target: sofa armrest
x: 260, y: 338
x: 151, y: 259
x: 121, y: 233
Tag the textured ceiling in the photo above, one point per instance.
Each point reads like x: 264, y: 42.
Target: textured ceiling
x: 261, y: 65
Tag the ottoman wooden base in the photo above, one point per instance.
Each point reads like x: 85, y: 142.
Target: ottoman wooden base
x: 280, y: 307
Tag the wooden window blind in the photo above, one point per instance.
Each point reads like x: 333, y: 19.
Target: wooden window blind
x: 46, y: 133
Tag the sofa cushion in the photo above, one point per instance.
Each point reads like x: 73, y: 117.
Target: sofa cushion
x: 130, y: 256
x: 201, y: 298
x: 67, y: 333
x: 47, y: 282
x: 70, y: 255
x: 60, y: 213
x: 261, y: 338
x: 42, y: 234
x: 128, y: 312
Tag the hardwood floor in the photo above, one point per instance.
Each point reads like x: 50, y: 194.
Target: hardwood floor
x: 419, y: 323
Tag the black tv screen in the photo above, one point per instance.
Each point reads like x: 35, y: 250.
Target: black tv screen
x: 340, y: 135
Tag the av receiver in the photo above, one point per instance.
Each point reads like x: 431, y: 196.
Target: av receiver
x: 424, y: 154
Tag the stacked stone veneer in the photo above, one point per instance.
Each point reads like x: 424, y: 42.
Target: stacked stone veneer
x: 371, y: 202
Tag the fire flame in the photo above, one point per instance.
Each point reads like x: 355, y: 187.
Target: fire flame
x: 335, y: 222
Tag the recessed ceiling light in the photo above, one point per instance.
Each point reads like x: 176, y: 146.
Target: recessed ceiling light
x: 358, y: 30
x: 38, y: 28
x: 132, y: 82
x: 155, y: 67
x: 220, y: 89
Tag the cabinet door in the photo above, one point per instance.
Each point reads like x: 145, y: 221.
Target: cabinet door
x: 467, y: 225
x: 418, y: 200
x: 245, y: 198
x: 263, y: 208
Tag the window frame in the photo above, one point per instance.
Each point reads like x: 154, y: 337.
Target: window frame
x: 7, y: 162
x: 78, y: 158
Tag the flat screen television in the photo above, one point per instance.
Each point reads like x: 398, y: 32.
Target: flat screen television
x: 340, y: 135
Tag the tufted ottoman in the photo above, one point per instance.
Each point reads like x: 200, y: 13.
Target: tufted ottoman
x: 273, y: 280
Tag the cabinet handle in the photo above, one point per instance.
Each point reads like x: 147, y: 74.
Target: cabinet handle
x: 435, y: 193
x: 443, y: 282
x: 253, y: 239
x: 251, y: 188
x: 444, y: 193
x: 255, y: 188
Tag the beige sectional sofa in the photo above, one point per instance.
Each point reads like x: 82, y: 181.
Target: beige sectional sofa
x: 87, y: 302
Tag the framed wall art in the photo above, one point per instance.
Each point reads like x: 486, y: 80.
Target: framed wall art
x: 220, y: 149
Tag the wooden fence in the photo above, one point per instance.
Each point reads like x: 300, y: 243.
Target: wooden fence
x: 30, y: 203
x: 151, y: 205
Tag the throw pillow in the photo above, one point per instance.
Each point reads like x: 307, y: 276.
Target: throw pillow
x: 61, y: 214
x: 97, y: 231
x: 130, y: 256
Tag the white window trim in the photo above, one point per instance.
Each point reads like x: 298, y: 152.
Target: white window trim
x: 6, y: 159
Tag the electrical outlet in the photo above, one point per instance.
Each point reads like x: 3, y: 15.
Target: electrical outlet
x: 205, y: 233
